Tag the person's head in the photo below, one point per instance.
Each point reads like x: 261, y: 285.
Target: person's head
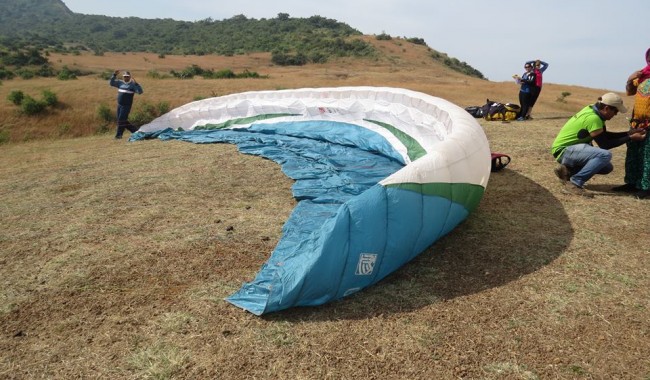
x: 610, y: 104
x: 528, y: 67
x: 538, y: 64
x: 126, y: 76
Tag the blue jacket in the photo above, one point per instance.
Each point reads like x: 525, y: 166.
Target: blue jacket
x: 527, y: 81
x: 125, y: 90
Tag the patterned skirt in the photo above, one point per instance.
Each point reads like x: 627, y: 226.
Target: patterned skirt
x: 637, y: 159
x: 637, y: 164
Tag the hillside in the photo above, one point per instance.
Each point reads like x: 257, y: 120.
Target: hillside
x: 398, y: 64
x: 50, y: 25
x: 115, y: 257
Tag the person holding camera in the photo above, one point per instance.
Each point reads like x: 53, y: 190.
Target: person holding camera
x: 526, y: 83
x: 126, y: 89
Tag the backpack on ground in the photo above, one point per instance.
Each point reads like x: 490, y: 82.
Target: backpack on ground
x: 500, y: 111
x: 476, y: 111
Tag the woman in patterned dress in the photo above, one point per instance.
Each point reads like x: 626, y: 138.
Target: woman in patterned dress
x: 637, y: 159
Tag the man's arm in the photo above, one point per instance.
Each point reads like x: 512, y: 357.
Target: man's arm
x: 610, y: 140
x: 113, y: 81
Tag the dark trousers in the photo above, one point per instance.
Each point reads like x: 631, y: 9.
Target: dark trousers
x: 123, y: 120
x: 525, y: 99
x: 535, y: 91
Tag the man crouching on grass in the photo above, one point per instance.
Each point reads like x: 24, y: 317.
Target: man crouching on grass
x: 126, y: 89
x: 578, y: 159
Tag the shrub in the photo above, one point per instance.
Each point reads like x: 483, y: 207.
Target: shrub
x: 64, y: 129
x: 156, y: 75
x: 105, y: 113
x: 106, y: 75
x: 6, y: 74
x: 66, y: 74
x: 45, y: 71
x: 145, y: 112
x: 31, y: 106
x: 562, y: 97
x: 16, y: 97
x: 417, y: 41
x: 49, y: 98
x: 224, y: 74
x: 25, y: 73
x: 4, y: 136
x: 383, y: 37
x: 283, y: 59
x: 162, y: 108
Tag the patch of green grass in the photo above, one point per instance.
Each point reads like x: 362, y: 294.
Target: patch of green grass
x: 160, y: 361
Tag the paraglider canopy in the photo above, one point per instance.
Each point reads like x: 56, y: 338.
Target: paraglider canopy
x: 381, y: 174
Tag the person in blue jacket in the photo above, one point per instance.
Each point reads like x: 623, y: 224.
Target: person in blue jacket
x: 126, y: 89
x: 526, y: 82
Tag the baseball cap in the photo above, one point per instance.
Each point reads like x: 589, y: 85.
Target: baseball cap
x: 126, y: 74
x: 613, y: 100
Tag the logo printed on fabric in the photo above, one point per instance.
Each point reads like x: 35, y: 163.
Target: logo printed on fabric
x: 366, y: 264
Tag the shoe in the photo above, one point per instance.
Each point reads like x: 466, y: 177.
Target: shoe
x: 643, y: 194
x: 520, y: 119
x: 562, y: 172
x: 627, y: 188
x: 571, y: 188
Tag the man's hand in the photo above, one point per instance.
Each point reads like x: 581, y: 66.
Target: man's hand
x: 116, y: 72
x: 637, y: 134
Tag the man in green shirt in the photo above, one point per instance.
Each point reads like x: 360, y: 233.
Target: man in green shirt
x: 578, y: 159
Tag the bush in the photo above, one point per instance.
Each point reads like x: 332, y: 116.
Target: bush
x: 283, y: 59
x: 224, y: 74
x: 64, y: 129
x: 105, y: 113
x: 417, y: 41
x: 49, y: 98
x: 31, y: 106
x: 4, y: 136
x: 162, y: 108
x: 104, y: 128
x: 25, y: 73
x: 45, y: 71
x: 66, y: 74
x: 156, y: 75
x: 562, y: 97
x: 105, y: 75
x: 16, y: 97
x: 383, y: 37
x: 6, y: 74
x: 145, y: 112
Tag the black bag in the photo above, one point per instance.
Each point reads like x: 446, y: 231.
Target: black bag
x: 476, y: 111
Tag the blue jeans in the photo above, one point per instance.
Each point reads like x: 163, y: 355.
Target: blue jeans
x: 584, y: 161
x: 123, y: 121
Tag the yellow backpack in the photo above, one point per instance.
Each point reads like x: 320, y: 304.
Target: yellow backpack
x: 500, y: 111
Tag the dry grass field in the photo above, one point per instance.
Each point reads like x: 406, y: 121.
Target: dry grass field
x: 115, y: 257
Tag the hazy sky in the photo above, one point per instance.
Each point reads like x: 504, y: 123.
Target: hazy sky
x: 595, y: 44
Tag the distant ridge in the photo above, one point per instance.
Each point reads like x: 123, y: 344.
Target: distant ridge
x: 50, y: 24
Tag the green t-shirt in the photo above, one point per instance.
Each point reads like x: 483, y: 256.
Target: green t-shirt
x: 587, y: 119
